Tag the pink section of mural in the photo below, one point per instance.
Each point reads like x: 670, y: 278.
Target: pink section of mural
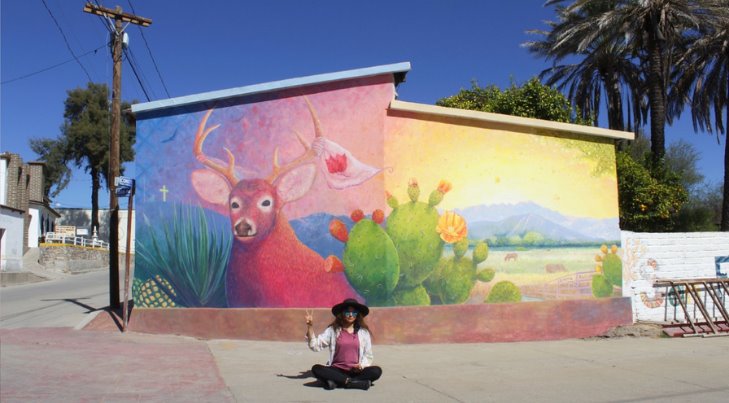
x: 443, y: 324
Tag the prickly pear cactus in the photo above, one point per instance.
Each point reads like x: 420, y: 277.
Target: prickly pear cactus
x: 412, y: 228
x: 370, y: 258
x: 411, y: 296
x: 453, y: 278
x: 610, y: 272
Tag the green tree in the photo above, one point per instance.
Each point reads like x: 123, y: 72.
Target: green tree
x: 56, y: 171
x: 702, y: 81
x: 85, y: 140
x: 649, y: 199
x: 651, y: 29
x: 533, y: 238
x: 532, y: 100
x: 605, y: 66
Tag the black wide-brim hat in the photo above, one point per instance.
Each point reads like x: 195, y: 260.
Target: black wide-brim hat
x: 362, y: 309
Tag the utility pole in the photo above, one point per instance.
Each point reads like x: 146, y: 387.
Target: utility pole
x: 119, y: 18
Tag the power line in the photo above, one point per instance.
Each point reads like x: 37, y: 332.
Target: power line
x: 50, y: 67
x: 66, y: 40
x: 154, y: 62
x: 136, y: 75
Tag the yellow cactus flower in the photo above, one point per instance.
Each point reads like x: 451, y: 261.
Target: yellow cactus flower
x: 451, y: 227
x: 598, y: 258
x: 614, y: 249
x: 413, y: 182
x: 603, y: 249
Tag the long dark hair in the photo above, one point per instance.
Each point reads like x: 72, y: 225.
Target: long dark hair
x: 359, y: 322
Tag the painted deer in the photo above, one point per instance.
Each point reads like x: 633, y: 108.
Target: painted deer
x: 269, y: 266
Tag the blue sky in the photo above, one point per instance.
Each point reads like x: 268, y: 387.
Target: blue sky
x: 202, y: 46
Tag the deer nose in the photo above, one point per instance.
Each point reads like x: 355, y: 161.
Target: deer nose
x: 244, y: 229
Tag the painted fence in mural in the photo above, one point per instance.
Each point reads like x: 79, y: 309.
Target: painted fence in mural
x: 304, y: 197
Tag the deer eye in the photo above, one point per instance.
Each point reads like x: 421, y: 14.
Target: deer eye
x: 234, y: 205
x: 265, y: 204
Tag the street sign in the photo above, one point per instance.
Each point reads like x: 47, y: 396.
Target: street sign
x: 123, y: 186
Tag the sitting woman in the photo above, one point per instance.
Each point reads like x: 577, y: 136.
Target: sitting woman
x: 350, y: 348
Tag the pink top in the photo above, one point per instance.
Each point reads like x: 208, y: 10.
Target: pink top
x: 347, y: 355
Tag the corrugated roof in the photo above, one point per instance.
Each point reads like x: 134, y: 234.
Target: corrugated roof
x: 399, y: 69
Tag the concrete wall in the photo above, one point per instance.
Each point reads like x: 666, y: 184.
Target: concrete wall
x: 649, y: 257
x: 73, y: 259
x: 11, y: 244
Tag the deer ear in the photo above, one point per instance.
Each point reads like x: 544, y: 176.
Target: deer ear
x: 210, y: 186
x: 294, y: 184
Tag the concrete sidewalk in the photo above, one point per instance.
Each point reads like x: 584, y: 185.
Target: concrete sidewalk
x: 61, y: 365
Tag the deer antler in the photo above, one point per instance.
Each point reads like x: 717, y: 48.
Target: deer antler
x: 227, y: 172
x: 305, y: 158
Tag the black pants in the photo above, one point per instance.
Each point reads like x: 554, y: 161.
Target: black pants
x: 339, y: 376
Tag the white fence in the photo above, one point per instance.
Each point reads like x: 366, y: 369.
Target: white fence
x: 52, y: 237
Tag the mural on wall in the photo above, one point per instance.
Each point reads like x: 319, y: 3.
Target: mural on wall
x: 526, y: 217
x: 304, y: 199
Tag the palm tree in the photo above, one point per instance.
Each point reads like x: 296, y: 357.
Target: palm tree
x: 606, y: 67
x: 649, y: 29
x: 702, y: 82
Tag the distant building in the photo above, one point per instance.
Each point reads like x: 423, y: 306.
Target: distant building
x: 25, y: 212
x: 81, y: 219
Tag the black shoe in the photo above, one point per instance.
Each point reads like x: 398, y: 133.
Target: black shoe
x: 357, y: 384
x: 329, y: 385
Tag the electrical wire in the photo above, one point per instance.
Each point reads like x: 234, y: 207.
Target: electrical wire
x: 51, y: 67
x: 66, y: 40
x: 134, y: 69
x: 151, y: 56
x: 132, y: 59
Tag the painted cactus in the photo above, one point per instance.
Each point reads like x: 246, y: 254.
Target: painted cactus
x: 412, y: 228
x: 454, y: 278
x: 609, y: 270
x: 370, y: 258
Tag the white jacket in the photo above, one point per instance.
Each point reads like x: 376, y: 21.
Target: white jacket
x: 329, y: 338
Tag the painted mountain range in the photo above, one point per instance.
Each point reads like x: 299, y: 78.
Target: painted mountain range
x: 516, y: 219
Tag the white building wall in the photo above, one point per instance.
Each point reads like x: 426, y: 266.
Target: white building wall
x: 11, y: 245
x: 34, y: 228
x: 650, y: 257
x: 3, y: 181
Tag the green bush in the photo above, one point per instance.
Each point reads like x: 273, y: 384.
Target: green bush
x: 504, y: 291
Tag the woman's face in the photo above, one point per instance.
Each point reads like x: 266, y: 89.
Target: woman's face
x: 350, y: 315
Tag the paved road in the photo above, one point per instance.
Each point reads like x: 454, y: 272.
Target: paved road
x: 63, y: 302
x: 60, y: 365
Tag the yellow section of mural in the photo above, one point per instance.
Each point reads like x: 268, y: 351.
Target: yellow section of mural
x: 493, y: 166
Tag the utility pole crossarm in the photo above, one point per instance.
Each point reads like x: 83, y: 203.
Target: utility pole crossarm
x: 117, y: 15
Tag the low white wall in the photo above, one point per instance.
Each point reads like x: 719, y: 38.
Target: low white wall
x: 11, y: 245
x: 650, y: 257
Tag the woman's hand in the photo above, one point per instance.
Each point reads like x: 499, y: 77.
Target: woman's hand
x: 309, y: 323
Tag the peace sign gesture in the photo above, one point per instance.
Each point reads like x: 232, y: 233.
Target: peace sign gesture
x: 309, y: 317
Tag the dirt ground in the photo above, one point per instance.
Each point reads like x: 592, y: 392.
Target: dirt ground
x: 651, y: 330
